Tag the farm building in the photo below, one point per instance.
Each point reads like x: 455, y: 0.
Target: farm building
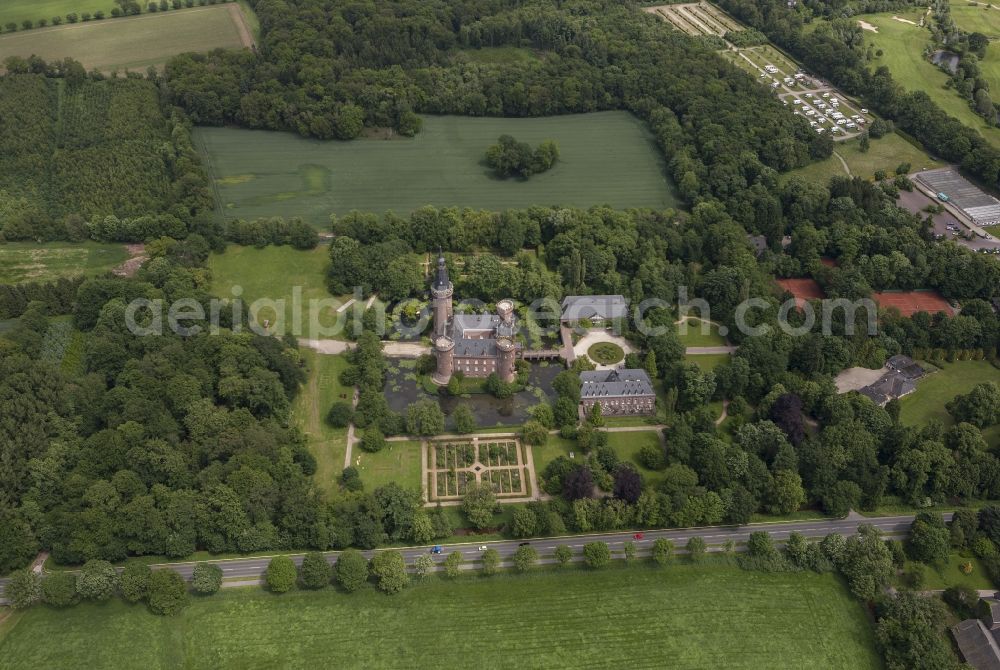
x: 597, y: 309
x: 627, y: 392
x: 981, y: 207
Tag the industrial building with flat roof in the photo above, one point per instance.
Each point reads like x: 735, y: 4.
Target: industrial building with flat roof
x: 981, y: 207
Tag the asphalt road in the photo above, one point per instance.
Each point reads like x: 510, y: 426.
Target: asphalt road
x: 249, y: 569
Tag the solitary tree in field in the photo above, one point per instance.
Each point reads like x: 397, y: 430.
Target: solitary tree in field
x: 390, y: 570
x: 167, y: 592
x: 696, y: 549
x: 453, y: 564
x: 662, y: 550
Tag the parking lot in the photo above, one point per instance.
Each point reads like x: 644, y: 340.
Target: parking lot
x: 946, y: 225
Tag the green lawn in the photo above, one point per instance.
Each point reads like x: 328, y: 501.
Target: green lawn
x: 627, y: 446
x: 982, y: 19
x: 707, y: 362
x: 903, y: 45
x: 606, y: 353
x: 936, y: 389
x: 949, y: 574
x: 684, y: 617
x: 691, y: 335
x: 274, y: 273
x: 605, y: 157
x: 399, y: 462
x: 134, y: 42
x: 885, y: 153
x: 321, y: 390
x: 19, y: 10
x: 28, y: 261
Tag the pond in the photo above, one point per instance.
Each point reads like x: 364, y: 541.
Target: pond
x: 402, y: 390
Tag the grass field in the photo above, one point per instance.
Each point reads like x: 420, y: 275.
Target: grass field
x: 28, y: 261
x: 133, y: 43
x: 323, y: 388
x: 902, y: 45
x: 707, y: 362
x: 691, y: 335
x: 604, y: 157
x: 399, y: 462
x: 885, y: 153
x: 273, y: 273
x: 949, y: 574
x: 683, y: 617
x: 627, y: 446
x: 935, y: 390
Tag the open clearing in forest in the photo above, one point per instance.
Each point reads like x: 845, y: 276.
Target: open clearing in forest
x: 604, y: 158
x: 885, y: 153
x: 29, y: 261
x: 135, y: 42
x: 274, y: 273
x: 681, y: 617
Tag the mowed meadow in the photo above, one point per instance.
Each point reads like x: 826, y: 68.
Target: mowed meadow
x: 680, y: 617
x: 135, y: 42
x: 605, y: 158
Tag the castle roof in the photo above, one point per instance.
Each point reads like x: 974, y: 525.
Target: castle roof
x: 441, y: 281
x: 629, y: 382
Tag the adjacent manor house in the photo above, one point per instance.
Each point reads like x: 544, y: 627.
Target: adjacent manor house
x: 476, y: 345
x: 900, y: 380
x: 979, y: 639
x: 599, y: 310
x: 625, y: 392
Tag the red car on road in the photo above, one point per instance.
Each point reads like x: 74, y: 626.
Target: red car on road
x: 638, y: 536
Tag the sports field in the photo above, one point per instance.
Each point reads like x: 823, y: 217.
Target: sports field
x: 604, y: 157
x: 681, y: 617
x: 135, y: 42
x: 28, y: 261
x: 903, y: 45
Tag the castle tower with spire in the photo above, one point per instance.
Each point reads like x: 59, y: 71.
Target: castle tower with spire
x: 441, y: 291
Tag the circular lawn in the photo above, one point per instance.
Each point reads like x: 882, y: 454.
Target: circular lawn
x: 606, y: 353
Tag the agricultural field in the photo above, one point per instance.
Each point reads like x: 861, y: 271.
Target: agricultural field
x: 15, y: 11
x: 936, y: 389
x: 93, y: 150
x: 885, y: 153
x: 604, y: 157
x: 903, y: 45
x: 320, y: 391
x: 31, y: 262
x: 274, y: 273
x: 670, y: 617
x: 697, y: 19
x: 135, y: 42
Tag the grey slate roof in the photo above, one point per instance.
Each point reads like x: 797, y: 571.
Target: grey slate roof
x: 475, y: 348
x: 606, y: 307
x: 906, y: 366
x: 978, y: 647
x: 464, y: 322
x: 615, y: 383
x: 891, y: 385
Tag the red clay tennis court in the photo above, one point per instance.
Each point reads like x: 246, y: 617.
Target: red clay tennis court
x: 802, y: 289
x: 910, y: 302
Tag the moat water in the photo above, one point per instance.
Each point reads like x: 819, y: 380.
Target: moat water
x: 402, y: 389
